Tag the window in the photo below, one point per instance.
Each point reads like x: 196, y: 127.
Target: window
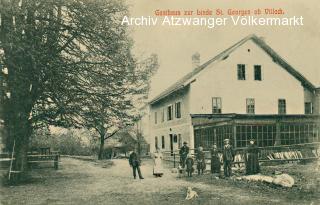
x: 250, y: 105
x: 282, y: 106
x: 169, y: 112
x: 177, y: 106
x: 241, y: 71
x: 216, y: 105
x: 156, y: 142
x: 299, y: 133
x: 162, y: 115
x: 162, y: 142
x: 257, y: 72
x: 264, y: 135
x: 175, y: 138
x: 179, y: 141
x: 308, y: 108
x: 155, y: 118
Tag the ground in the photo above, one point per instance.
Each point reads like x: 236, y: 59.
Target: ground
x: 88, y: 182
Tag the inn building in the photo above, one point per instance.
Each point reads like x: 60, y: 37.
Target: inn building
x: 247, y: 91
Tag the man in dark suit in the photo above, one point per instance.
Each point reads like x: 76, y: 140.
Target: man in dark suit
x: 184, y: 151
x: 228, y: 157
x: 134, y: 161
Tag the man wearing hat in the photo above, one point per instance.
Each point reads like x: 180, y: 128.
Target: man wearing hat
x: 135, y: 162
x: 184, y: 151
x: 228, y: 157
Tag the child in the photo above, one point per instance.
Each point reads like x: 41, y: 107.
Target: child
x: 189, y: 165
x: 201, y: 163
x: 180, y: 171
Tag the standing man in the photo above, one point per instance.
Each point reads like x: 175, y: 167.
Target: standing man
x: 184, y: 151
x: 134, y: 161
x: 228, y: 157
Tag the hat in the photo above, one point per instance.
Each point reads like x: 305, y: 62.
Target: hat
x: 185, y: 142
x: 226, y: 140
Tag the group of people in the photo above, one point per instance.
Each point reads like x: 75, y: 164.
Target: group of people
x: 228, y: 155
x: 187, y: 161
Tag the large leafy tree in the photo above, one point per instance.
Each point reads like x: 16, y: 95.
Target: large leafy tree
x: 64, y: 63
x: 125, y: 95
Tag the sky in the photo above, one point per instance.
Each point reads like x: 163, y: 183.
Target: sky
x: 299, y: 46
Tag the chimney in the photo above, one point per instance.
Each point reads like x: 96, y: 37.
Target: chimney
x: 195, y: 60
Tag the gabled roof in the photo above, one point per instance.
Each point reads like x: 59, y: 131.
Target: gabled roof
x: 187, y: 79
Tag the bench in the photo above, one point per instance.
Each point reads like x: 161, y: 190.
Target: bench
x: 44, y: 156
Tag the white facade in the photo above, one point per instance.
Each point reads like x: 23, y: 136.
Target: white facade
x: 220, y: 80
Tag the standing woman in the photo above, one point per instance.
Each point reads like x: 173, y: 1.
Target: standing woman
x: 251, y: 158
x: 201, y: 163
x: 157, y: 166
x: 215, y: 160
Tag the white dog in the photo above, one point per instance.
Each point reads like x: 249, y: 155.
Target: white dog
x: 191, y: 194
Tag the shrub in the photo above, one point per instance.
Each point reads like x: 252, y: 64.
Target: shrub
x: 67, y: 142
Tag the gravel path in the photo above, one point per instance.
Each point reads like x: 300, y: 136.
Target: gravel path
x: 84, y: 182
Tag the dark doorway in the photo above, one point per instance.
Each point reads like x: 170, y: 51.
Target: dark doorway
x: 171, y: 144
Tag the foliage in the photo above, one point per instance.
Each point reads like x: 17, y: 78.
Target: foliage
x: 65, y: 63
x: 69, y: 142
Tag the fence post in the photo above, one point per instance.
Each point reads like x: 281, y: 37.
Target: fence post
x: 56, y: 161
x: 174, y: 160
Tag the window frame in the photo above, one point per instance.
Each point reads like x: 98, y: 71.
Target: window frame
x: 170, y: 115
x: 218, y: 109
x: 241, y: 71
x: 176, y: 110
x: 310, y: 108
x: 163, y: 143
x: 255, y: 72
x: 179, y: 141
x: 155, y: 118
x: 156, y: 142
x: 250, y: 106
x: 163, y: 114
x: 282, y: 108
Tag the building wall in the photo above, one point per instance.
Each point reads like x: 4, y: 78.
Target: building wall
x: 143, y: 124
x: 175, y: 126
x: 220, y: 80
x: 316, y: 101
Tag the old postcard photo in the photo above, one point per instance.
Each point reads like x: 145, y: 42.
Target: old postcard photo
x: 159, y: 102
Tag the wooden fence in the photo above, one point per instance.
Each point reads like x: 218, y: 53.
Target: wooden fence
x: 283, y: 153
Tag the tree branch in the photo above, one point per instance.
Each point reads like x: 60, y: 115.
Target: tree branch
x: 113, y: 133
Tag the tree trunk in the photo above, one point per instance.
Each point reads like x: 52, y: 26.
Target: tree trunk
x: 21, y: 162
x: 20, y: 132
x: 101, y: 148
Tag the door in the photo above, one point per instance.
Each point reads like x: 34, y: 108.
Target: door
x: 171, y: 144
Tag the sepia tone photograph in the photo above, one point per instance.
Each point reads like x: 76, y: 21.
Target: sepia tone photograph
x: 159, y: 102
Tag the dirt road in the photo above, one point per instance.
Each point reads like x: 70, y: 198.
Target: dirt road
x: 83, y: 182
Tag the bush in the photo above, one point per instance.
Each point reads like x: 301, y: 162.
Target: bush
x: 67, y: 142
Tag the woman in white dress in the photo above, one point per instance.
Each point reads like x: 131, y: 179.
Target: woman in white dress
x: 157, y: 166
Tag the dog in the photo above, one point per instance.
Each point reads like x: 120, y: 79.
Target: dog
x: 191, y: 194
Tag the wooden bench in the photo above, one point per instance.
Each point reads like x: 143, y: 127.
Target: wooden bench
x: 45, y: 155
